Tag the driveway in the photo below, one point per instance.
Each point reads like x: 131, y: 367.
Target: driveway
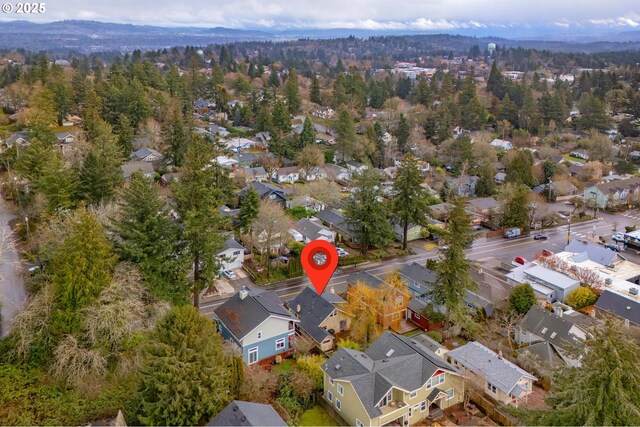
x: 12, y: 288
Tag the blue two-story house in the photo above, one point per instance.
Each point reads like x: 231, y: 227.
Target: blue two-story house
x: 258, y: 324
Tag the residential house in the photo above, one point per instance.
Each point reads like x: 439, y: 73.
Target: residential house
x: 625, y: 307
x: 256, y: 174
x: 220, y: 131
x: 268, y: 192
x: 309, y: 229
x: 575, y: 169
x: 130, y: 168
x: 485, y: 207
x: 286, y: 175
x: 414, y: 232
x: 146, y: 155
x: 421, y: 283
x: 613, y: 194
x: 258, y: 324
x: 440, y: 211
x: 320, y: 320
x: 65, y: 138
x: 396, y: 381
x: 356, y: 167
x: 464, y: 186
x: 548, y: 284
x: 232, y: 256
x: 263, y: 138
x: 239, y: 144
x: 240, y: 413
x: 415, y: 313
x: 337, y: 173
x: 324, y: 113
x: 168, y: 178
x: 314, y: 174
x: 580, y: 154
x: 336, y: 221
x: 246, y: 159
x: 226, y: 162
x: 499, y: 378
x: 309, y: 203
x: 394, y: 311
x: 542, y: 330
x: 19, y: 138
x: 501, y: 144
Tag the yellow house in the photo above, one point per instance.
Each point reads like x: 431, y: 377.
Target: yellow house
x: 396, y: 380
x: 320, y: 316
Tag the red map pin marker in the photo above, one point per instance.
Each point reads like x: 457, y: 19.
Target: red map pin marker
x: 312, y: 256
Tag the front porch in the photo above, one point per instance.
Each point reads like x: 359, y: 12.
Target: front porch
x: 404, y: 326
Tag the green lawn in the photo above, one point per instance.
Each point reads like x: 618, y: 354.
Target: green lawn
x: 574, y: 159
x: 316, y: 416
x: 286, y: 366
x: 412, y: 333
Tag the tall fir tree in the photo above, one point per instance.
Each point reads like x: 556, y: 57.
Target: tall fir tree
x: 292, y: 92
x: 403, y: 133
x: 308, y: 135
x: 314, y: 95
x: 346, y: 131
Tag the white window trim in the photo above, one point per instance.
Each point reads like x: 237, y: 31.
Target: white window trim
x: 413, y: 394
x: 338, y: 404
x: 423, y: 406
x: 282, y: 341
x: 340, y: 389
x: 331, y: 380
x: 249, y: 355
x: 259, y: 334
x: 330, y: 396
x: 453, y: 393
x: 359, y: 423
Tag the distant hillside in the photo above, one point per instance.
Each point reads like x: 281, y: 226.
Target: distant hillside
x: 89, y: 36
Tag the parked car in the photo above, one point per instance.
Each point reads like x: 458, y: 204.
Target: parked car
x: 477, y: 227
x: 613, y: 247
x: 520, y: 260
x: 540, y: 237
x: 342, y: 252
x: 618, y: 237
x: 512, y: 232
x: 229, y: 274
x: 283, y: 259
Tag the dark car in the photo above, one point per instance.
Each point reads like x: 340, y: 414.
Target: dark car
x: 540, y: 237
x: 615, y: 248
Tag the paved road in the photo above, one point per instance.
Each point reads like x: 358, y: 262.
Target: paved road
x: 12, y: 287
x: 482, y: 248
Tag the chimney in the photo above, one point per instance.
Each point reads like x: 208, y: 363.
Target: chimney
x: 333, y: 291
x: 558, y: 311
x: 500, y: 355
x: 298, y: 308
x: 244, y: 292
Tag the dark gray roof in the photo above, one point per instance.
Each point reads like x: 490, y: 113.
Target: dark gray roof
x: 620, y: 306
x: 265, y: 189
x: 421, y: 279
x: 416, y: 305
x: 335, y: 219
x: 314, y: 309
x: 232, y: 244
x: 427, y: 342
x: 366, y: 278
x: 332, y: 297
x: 484, y: 203
x: 589, y: 251
x: 241, y: 316
x: 144, y: 152
x: 489, y: 365
x: 434, y: 394
x: 19, y: 135
x: 309, y: 229
x: 246, y: 157
x: 391, y: 361
x: 239, y: 413
x: 544, y: 351
x: 130, y: 168
x: 563, y: 330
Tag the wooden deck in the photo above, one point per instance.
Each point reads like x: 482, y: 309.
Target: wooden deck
x: 404, y: 326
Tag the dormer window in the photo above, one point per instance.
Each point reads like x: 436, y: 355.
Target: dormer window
x: 553, y: 335
x: 543, y: 331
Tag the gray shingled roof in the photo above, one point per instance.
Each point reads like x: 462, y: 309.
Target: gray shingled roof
x: 309, y: 229
x: 421, y: 278
x: 487, y: 364
x: 563, y: 330
x: 366, y: 278
x: 144, y: 152
x: 240, y: 413
x: 232, y: 244
x: 243, y: 316
x: 314, y: 309
x: 391, y: 361
x: 543, y: 351
x: 590, y: 251
x: 620, y: 306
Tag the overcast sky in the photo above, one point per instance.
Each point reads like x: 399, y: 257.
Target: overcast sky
x: 368, y: 14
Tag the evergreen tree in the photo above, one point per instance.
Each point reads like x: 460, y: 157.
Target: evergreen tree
x: 346, y: 131
x: 603, y: 390
x: 486, y: 186
x: 366, y: 216
x: 410, y: 201
x: 529, y: 117
x: 520, y: 169
x: 308, y: 135
x: 314, y: 95
x: 292, y: 92
x: 99, y: 174
x: 454, y: 280
x: 592, y: 114
x: 403, y: 133
x: 186, y: 377
x: 515, y: 206
x: 473, y: 115
x: 522, y: 298
x: 33, y: 157
x: 176, y: 138
x: 508, y: 111
x: 79, y: 268
x: 379, y: 144
x: 148, y: 236
x: 496, y: 84
x: 274, y: 80
x: 125, y: 133
x: 200, y: 196
x: 281, y: 118
x: 57, y: 183
x: 249, y: 205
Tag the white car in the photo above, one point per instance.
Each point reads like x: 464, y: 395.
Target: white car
x: 618, y: 237
x: 229, y: 274
x: 342, y: 252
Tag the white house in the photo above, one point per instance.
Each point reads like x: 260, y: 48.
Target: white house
x: 315, y: 173
x: 356, y: 167
x: 501, y: 144
x: 232, y: 256
x: 308, y: 229
x: 226, y: 162
x: 147, y: 155
x: 289, y: 174
x: 239, y: 144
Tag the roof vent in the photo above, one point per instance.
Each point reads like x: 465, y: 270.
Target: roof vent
x: 298, y: 308
x: 633, y: 291
x: 500, y: 355
x: 235, y: 408
x: 243, y: 419
x: 244, y: 292
x: 333, y: 291
x: 608, y: 281
x: 390, y: 352
x: 338, y: 367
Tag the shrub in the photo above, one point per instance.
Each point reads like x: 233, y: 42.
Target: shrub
x: 582, y: 297
x: 349, y: 343
x: 312, y: 364
x: 522, y: 298
x: 435, y: 335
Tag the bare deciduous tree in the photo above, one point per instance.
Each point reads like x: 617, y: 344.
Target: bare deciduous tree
x: 271, y: 229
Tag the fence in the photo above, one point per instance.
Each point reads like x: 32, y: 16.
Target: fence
x: 490, y: 409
